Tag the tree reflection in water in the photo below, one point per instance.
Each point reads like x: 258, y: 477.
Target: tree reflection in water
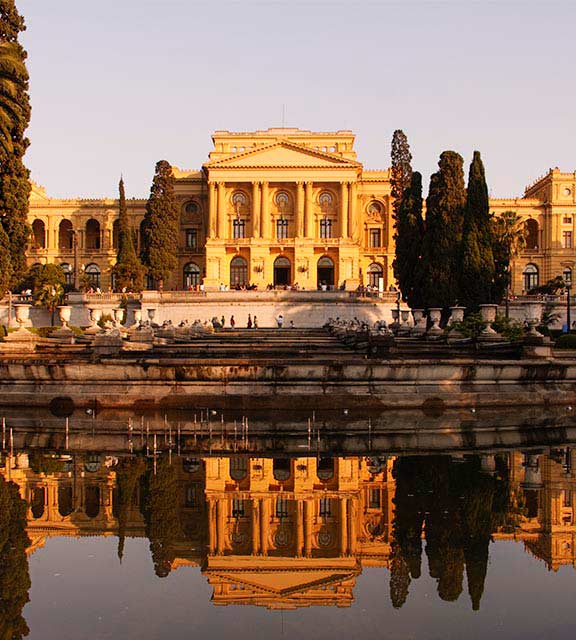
x: 14, y: 576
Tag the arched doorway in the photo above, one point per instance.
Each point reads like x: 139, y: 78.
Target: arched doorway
x: 532, y: 233
x: 375, y: 272
x: 191, y: 275
x: 92, y: 235
x: 65, y: 235
x: 281, y: 271
x: 530, y: 277
x: 238, y: 272
x: 325, y: 272
x: 39, y: 234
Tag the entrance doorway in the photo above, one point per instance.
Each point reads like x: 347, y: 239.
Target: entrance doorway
x: 325, y: 272
x: 281, y: 271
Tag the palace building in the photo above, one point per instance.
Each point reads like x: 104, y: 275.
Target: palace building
x: 287, y: 206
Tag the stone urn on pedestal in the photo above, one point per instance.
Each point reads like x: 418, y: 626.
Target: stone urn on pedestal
x: 488, y: 313
x: 137, y: 317
x: 404, y: 328
x: 95, y: 315
x: 435, y: 315
x: 456, y: 316
x: 533, y: 315
x: 22, y: 316
x: 419, y: 327
x: 64, y: 333
x: 151, y: 315
x: 21, y: 339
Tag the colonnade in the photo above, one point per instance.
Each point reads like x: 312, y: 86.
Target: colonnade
x: 304, y: 212
x: 301, y: 519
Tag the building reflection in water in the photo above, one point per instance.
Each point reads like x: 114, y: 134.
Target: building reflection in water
x: 293, y: 532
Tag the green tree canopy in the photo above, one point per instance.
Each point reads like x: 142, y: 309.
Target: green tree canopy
x: 477, y: 258
x: 160, y: 228
x: 128, y: 268
x: 5, y: 262
x: 14, y: 119
x: 409, y: 238
x: 441, y: 245
x: 39, y: 275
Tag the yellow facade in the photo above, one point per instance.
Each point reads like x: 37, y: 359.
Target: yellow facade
x: 283, y: 207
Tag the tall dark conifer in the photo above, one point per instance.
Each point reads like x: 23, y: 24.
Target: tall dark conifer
x: 401, y: 169
x: 441, y: 246
x: 14, y: 177
x: 477, y: 262
x: 128, y: 269
x: 409, y: 238
x: 5, y: 262
x: 161, y: 225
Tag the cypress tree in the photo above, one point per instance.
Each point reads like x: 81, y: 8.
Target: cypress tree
x: 409, y: 237
x: 401, y: 170
x: 14, y: 177
x: 477, y: 262
x: 441, y: 246
x: 5, y: 262
x: 161, y: 225
x: 128, y: 269
x: 508, y: 239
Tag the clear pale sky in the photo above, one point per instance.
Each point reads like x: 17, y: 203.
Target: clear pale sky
x: 118, y: 84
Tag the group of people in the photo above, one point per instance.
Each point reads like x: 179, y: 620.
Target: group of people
x: 251, y: 323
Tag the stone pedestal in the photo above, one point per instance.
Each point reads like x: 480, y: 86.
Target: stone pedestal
x: 107, y: 343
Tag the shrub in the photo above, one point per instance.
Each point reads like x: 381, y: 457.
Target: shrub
x: 566, y: 341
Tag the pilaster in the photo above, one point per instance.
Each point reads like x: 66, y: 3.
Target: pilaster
x: 344, y: 187
x: 299, y: 217
x: 308, y: 213
x: 256, y: 200
x: 222, y: 221
x: 265, y: 213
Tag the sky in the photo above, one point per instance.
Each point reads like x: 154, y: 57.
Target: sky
x: 117, y: 85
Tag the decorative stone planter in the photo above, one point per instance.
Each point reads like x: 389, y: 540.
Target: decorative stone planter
x: 456, y: 314
x: 419, y: 321
x: 22, y: 314
x: 488, y: 313
x: 64, y: 313
x: 118, y: 315
x: 95, y: 315
x: 435, y: 315
x: 533, y: 315
x: 137, y: 317
x: 151, y: 314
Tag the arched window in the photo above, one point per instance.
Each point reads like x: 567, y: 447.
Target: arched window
x: 375, y: 272
x: 191, y: 275
x: 68, y: 272
x: 325, y: 469
x: 238, y: 468
x: 531, y: 227
x: 92, y: 273
x: 37, y: 502
x: 115, y: 233
x: 65, y: 236
x: 530, y: 276
x: 325, y: 272
x: 39, y: 233
x: 65, y: 500
x: 281, y: 271
x: 281, y: 468
x: 92, y: 500
x: 92, y: 235
x: 238, y: 272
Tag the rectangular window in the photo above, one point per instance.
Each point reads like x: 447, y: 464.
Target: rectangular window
x: 374, y: 499
x: 567, y: 239
x: 325, y: 507
x: 191, y: 238
x: 281, y: 508
x: 239, y: 228
x: 238, y: 510
x: 567, y: 220
x: 325, y: 228
x: 281, y: 229
x: 375, y: 237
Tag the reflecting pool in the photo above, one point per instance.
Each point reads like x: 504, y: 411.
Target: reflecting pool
x: 152, y: 530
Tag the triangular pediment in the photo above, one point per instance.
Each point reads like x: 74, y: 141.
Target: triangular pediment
x: 282, y: 155
x: 38, y: 193
x: 284, y: 582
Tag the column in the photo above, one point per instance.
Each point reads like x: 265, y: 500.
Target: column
x: 352, y: 532
x: 212, y: 524
x: 344, y: 209
x: 299, y: 528
x: 308, y: 515
x: 221, y: 215
x: 255, y: 536
x: 256, y: 209
x: 221, y: 525
x: 343, y: 526
x: 308, y: 214
x: 299, y: 218
x: 353, y: 229
x: 211, y: 233
x: 264, y: 525
x: 264, y: 213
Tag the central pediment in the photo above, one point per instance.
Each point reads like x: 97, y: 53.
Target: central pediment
x: 284, y: 155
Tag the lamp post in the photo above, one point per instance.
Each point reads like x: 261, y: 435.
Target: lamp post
x: 568, y: 282
x: 75, y: 249
x: 507, y: 299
